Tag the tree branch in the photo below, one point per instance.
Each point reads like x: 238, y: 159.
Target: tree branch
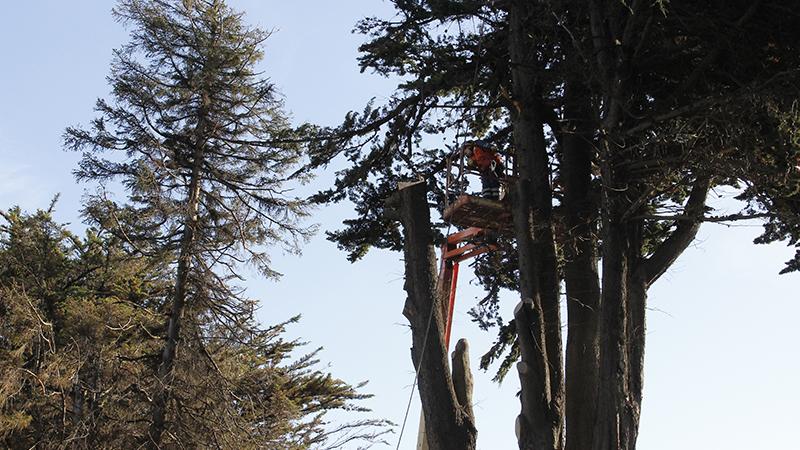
x: 712, y: 219
x: 669, y: 250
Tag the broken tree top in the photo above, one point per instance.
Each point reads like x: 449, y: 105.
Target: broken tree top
x: 472, y: 211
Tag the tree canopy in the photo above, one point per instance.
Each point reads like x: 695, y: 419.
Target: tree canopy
x: 200, y: 142
x: 691, y: 84
x: 621, y: 119
x: 79, y: 337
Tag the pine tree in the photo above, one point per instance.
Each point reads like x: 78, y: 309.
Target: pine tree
x: 80, y: 320
x: 77, y: 327
x: 203, y: 147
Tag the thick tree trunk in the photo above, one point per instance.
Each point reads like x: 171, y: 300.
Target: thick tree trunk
x: 613, y: 27
x: 611, y: 427
x: 449, y: 424
x: 638, y: 282
x: 580, y: 270
x: 164, y: 388
x: 540, y: 423
x: 538, y: 316
x: 626, y: 278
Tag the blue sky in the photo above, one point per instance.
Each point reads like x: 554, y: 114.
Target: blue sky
x: 721, y: 359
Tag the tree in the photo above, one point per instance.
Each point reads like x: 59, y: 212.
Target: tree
x: 79, y: 345
x: 446, y: 399
x: 621, y: 117
x: 200, y: 142
x: 75, y: 326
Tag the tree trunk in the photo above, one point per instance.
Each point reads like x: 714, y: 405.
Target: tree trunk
x: 538, y: 319
x: 611, y: 426
x: 638, y: 281
x: 580, y: 270
x: 164, y: 387
x: 613, y: 27
x: 637, y: 303
x: 449, y: 424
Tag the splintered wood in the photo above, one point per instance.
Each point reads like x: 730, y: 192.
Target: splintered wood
x: 472, y: 211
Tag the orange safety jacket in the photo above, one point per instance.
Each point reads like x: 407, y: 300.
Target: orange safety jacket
x: 482, y: 158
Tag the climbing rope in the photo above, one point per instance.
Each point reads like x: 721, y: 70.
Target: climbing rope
x: 460, y: 189
x: 434, y: 305
x: 416, y: 372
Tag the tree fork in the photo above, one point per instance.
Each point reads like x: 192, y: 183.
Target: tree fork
x: 638, y: 282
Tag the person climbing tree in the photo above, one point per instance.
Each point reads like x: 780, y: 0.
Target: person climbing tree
x: 483, y: 157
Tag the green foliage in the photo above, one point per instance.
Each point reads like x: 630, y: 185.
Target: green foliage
x: 204, y: 149
x: 709, y: 93
x: 76, y: 321
x: 186, y: 97
x: 79, y: 327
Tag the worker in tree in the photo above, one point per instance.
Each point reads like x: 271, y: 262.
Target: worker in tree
x: 482, y: 157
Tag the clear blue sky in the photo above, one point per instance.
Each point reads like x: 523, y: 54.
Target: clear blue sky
x: 722, y: 358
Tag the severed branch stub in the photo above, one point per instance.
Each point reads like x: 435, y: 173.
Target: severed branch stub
x: 462, y: 376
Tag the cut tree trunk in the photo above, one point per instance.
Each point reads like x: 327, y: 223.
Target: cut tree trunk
x: 449, y: 424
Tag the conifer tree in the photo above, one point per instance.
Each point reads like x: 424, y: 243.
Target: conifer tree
x: 76, y: 332
x: 201, y: 144
x: 621, y: 117
x: 80, y: 320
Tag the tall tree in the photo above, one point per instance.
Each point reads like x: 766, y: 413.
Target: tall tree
x: 202, y: 145
x: 621, y: 117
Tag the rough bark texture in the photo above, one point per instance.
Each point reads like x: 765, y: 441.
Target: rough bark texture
x: 449, y: 425
x: 621, y: 311
x: 462, y: 376
x: 534, y: 430
x: 580, y: 271
x: 612, y: 420
x: 639, y: 280
x: 538, y: 315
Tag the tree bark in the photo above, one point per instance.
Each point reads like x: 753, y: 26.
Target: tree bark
x: 638, y: 282
x: 538, y: 315
x: 614, y: 27
x: 449, y: 424
x: 611, y: 426
x: 637, y: 306
x: 580, y: 269
x: 462, y: 376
